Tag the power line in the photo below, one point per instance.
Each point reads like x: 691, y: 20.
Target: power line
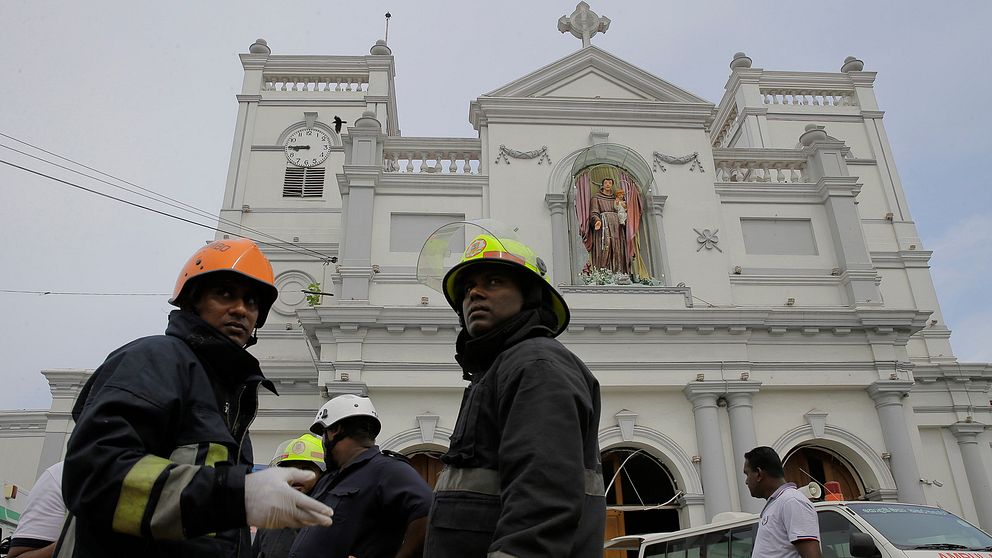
x: 64, y: 293
x: 177, y: 203
x: 165, y: 214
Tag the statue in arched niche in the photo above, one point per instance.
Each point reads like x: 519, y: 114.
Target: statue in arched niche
x: 608, y: 206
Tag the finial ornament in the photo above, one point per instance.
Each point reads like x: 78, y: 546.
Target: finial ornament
x: 852, y: 64
x: 740, y: 60
x: 583, y: 23
x: 259, y: 47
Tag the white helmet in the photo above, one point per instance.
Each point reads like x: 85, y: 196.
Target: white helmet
x: 342, y: 407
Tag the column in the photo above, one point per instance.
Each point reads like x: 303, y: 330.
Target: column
x: 888, y: 397
x: 561, y: 257
x: 716, y: 486
x: 978, y: 476
x: 740, y: 408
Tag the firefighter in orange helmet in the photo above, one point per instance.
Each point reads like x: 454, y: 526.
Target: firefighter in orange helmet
x: 159, y: 461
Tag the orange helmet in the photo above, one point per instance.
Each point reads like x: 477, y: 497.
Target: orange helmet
x: 240, y: 256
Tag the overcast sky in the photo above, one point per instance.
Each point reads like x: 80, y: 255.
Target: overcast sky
x: 146, y: 91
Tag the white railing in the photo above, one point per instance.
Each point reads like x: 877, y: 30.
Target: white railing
x: 808, y: 98
x: 321, y: 84
x: 432, y: 156
x: 728, y: 123
x: 749, y: 170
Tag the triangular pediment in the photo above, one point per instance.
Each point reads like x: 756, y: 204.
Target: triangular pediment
x: 592, y: 73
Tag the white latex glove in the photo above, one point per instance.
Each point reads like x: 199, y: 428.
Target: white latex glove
x: 271, y: 503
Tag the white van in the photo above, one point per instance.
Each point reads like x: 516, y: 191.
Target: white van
x: 847, y: 530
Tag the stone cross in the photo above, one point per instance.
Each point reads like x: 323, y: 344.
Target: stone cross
x: 583, y: 23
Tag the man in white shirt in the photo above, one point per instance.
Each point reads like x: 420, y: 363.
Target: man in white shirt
x: 41, y: 522
x: 788, y: 527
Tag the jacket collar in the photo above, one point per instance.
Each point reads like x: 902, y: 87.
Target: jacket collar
x: 476, y: 354
x: 228, y: 361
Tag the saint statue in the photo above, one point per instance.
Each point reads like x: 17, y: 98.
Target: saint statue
x: 609, y: 238
x: 608, y: 206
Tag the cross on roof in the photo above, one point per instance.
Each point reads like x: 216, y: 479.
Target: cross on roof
x: 583, y: 23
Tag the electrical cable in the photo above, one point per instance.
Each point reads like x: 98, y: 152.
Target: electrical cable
x: 178, y: 204
x: 163, y: 213
x: 18, y: 291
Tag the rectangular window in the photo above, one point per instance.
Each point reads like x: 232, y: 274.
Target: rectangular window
x: 778, y: 237
x: 408, y: 231
x: 303, y: 182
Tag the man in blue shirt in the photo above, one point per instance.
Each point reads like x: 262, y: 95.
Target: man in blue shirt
x: 380, y: 502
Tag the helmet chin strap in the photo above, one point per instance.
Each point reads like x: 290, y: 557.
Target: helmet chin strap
x: 253, y: 339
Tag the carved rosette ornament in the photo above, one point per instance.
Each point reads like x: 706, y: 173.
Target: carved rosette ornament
x: 661, y: 158
x: 707, y: 239
x: 505, y: 153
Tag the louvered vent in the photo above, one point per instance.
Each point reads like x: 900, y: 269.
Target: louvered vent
x: 302, y: 182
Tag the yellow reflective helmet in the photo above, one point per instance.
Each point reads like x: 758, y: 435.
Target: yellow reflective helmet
x: 492, y: 242
x: 305, y: 448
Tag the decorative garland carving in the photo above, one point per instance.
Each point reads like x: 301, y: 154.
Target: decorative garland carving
x: 541, y: 154
x: 660, y: 158
x: 707, y: 239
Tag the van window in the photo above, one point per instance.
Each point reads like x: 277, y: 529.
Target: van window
x: 689, y: 547
x: 919, y: 527
x: 742, y: 541
x: 657, y: 550
x: 835, y: 534
x: 718, y: 544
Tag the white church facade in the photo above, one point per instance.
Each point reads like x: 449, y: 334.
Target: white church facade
x: 772, y: 287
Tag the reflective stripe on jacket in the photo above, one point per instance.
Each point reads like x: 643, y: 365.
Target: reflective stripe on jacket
x: 156, y: 464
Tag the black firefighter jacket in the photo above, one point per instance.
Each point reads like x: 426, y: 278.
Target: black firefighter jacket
x: 156, y: 464
x: 523, y: 476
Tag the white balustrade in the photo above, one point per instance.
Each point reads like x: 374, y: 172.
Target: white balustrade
x: 778, y: 172
x: 320, y: 84
x: 808, y: 98
x: 431, y: 162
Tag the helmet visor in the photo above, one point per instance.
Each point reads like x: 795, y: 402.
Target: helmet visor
x: 446, y: 246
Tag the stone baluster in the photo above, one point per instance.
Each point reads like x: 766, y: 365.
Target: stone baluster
x: 409, y: 162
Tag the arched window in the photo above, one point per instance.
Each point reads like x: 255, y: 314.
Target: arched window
x: 640, y: 493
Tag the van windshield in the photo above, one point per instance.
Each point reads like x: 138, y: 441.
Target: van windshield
x: 918, y: 527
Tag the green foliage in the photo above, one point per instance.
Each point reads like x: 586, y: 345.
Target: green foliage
x: 313, y: 299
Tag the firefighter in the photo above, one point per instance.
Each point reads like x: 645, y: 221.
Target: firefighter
x: 158, y: 463
x: 307, y: 453
x: 522, y: 474
x: 379, y: 500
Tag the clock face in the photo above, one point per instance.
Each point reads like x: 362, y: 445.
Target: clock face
x: 307, y: 147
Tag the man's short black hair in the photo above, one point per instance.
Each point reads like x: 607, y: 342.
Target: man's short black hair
x: 766, y: 459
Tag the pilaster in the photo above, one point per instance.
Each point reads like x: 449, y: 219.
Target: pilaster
x: 362, y: 174
x: 655, y: 208
x: 826, y: 165
x: 561, y: 257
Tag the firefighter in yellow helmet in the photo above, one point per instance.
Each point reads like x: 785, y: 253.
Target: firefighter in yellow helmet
x: 159, y: 461
x: 522, y: 475
x: 307, y: 453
